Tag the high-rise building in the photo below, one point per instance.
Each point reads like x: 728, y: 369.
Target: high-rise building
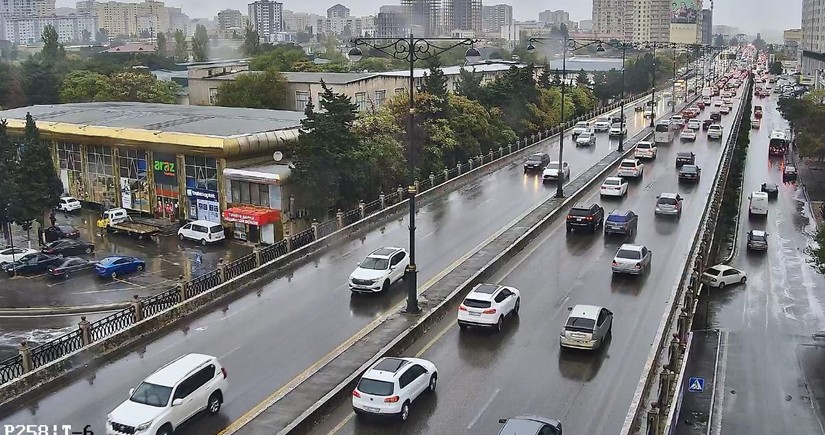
x: 299, y: 21
x: 124, y: 18
x: 230, y: 18
x: 632, y: 20
x: 70, y: 29
x: 813, y: 39
x: 338, y: 11
x: 707, y: 26
x: 721, y: 29
x: 660, y: 14
x: 554, y: 18
x: 495, y: 17
x: 613, y: 18
x: 266, y: 17
x: 86, y: 7
x: 26, y: 8
x: 424, y: 16
x: 462, y: 15
x: 391, y: 22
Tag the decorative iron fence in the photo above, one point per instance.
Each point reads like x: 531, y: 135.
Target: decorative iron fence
x: 57, y: 348
x: 11, y: 368
x: 304, y: 238
x: 327, y: 228
x: 240, y: 266
x: 202, y: 283
x: 160, y: 302
x: 112, y: 323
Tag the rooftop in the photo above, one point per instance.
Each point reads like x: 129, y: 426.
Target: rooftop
x: 132, y: 48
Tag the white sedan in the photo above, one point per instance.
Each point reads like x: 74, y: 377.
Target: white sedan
x: 551, y: 172
x: 614, y: 186
x: 721, y: 275
x: 688, y: 134
x: 8, y: 255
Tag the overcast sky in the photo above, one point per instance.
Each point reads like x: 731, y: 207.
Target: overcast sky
x: 749, y: 15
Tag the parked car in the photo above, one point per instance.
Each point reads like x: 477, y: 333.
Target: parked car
x: 690, y: 173
x: 536, y: 161
x: 602, y: 124
x: 631, y: 259
x: 68, y: 203
x: 715, y: 132
x: 688, y: 134
x: 530, y: 425
x: 587, y: 327
x: 669, y: 204
x: 69, y: 266
x: 11, y: 254
x: 614, y: 186
x: 645, y: 150
x: 61, y: 232
x: 623, y: 222
x: 204, y: 232
x: 551, y: 172
x: 114, y: 266
x: 171, y: 396
x: 487, y: 305
x: 632, y: 168
x: 721, y: 275
x: 585, y: 216
x: 685, y: 158
x: 66, y: 247
x: 392, y: 384
x: 586, y: 138
x: 30, y: 264
x: 771, y: 189
x: 580, y: 128
x: 757, y: 240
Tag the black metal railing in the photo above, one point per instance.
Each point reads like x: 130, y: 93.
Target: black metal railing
x: 112, y: 323
x: 202, y: 283
x: 304, y: 238
x: 240, y: 266
x: 160, y: 302
x: 11, y: 368
x: 57, y: 348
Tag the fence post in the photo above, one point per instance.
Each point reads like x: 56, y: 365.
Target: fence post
x: 382, y: 199
x: 501, y: 152
x: 459, y: 169
x: 339, y: 217
x: 137, y: 307
x: 85, y: 330
x: 26, y: 355
x: 509, y: 148
x: 257, y: 251
x: 682, y: 326
x: 288, y: 238
x: 470, y: 161
x: 362, y: 209
x: 446, y: 175
x: 222, y: 269
x: 673, y: 353
x: 315, y: 229
x: 400, y: 193
x: 492, y: 156
x: 664, y: 387
x: 653, y: 419
x: 416, y: 183
x: 432, y: 180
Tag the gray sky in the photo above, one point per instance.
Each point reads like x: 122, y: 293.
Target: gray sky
x: 749, y: 15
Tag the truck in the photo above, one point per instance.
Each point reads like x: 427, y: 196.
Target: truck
x: 777, y: 143
x: 117, y: 220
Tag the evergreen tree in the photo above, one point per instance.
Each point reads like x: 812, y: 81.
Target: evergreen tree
x: 556, y: 78
x: 40, y: 81
x: 544, y: 78
x: 52, y: 48
x: 468, y: 85
x: 8, y: 167
x: 251, y: 42
x: 582, y: 79
x: 181, y: 47
x: 38, y: 186
x: 162, y: 48
x: 200, y: 44
x: 434, y: 82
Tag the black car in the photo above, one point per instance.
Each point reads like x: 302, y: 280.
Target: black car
x: 771, y: 189
x: 536, y: 162
x: 68, y: 247
x: 685, y: 158
x: 706, y: 124
x: 70, y: 265
x: 757, y: 240
x: 621, y: 222
x: 716, y: 116
x: 58, y: 232
x: 31, y: 263
x: 585, y: 216
x: 689, y: 173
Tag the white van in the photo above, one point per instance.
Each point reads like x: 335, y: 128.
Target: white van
x: 116, y: 215
x: 202, y: 231
x: 758, y: 204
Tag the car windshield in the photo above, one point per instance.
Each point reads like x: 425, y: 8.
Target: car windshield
x: 666, y: 201
x: 581, y: 124
x: 585, y: 135
x: 628, y: 164
x: 617, y: 218
x: 375, y: 387
x: 581, y: 324
x: 758, y: 237
x: 603, y: 120
x: 151, y: 394
x: 534, y: 158
x: 689, y: 168
x: 580, y: 211
x: 610, y: 182
x: 553, y: 166
x: 684, y: 155
x: 629, y: 254
x: 374, y: 263
x: 643, y: 145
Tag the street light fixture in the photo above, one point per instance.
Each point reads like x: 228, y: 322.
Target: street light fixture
x: 412, y: 49
x: 571, y: 45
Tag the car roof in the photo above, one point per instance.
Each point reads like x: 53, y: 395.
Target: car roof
x: 630, y: 161
x: 614, y: 179
x: 384, y: 252
x: 204, y: 223
x: 631, y: 247
x: 620, y: 212
x: 483, y: 292
x: 644, y: 142
x: 527, y: 424
x: 668, y: 195
x: 386, y: 369
x: 585, y: 311
x: 688, y: 167
x: 175, y: 371
x: 583, y: 206
x: 112, y: 259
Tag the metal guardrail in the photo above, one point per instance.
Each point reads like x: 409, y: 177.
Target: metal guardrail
x: 87, y: 333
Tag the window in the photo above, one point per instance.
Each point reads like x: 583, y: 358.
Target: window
x: 99, y: 163
x: 399, y: 91
x: 201, y: 172
x: 213, y: 96
x: 71, y: 169
x: 135, y: 189
x: 249, y: 193
x: 361, y: 101
x: 380, y: 96
x: 301, y: 100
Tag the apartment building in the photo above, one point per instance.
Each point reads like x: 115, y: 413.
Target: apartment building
x: 612, y: 17
x: 70, y: 29
x: 299, y: 21
x: 124, y: 18
x: 351, y: 26
x: 26, y: 8
x: 229, y: 19
x: 554, y: 18
x: 813, y: 39
x: 495, y: 17
x: 266, y: 17
x: 462, y: 15
x: 425, y: 17
x: 391, y: 22
x: 338, y: 11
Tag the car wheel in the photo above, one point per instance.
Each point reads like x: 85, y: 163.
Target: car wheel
x: 744, y: 278
x: 213, y: 406
x: 88, y: 249
x: 140, y: 267
x: 433, y: 382
x: 165, y: 430
x: 722, y: 284
x: 203, y: 242
x: 500, y: 324
x: 180, y: 236
x: 405, y: 411
x: 113, y: 275
x: 516, y: 308
x: 462, y: 326
x: 385, y: 286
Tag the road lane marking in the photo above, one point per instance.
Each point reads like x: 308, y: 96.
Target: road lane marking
x: 483, y: 408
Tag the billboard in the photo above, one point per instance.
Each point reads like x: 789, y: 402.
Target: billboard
x: 685, y: 11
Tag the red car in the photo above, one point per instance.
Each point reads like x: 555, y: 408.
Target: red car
x: 701, y: 105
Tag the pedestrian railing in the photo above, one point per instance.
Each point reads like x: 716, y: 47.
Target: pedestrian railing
x: 30, y: 358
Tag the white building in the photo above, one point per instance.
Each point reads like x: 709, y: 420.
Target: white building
x: 266, y: 17
x: 299, y: 21
x: 24, y: 31
x: 26, y: 8
x: 230, y: 19
x: 496, y: 16
x: 813, y: 41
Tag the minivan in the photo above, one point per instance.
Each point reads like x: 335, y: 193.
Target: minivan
x: 758, y: 204
x: 116, y: 215
x: 204, y: 232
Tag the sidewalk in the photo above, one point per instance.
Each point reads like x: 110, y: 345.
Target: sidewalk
x: 812, y: 176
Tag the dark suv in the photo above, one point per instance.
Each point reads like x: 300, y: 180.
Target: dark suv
x: 585, y: 216
x: 685, y: 158
x: 536, y: 162
x: 621, y: 222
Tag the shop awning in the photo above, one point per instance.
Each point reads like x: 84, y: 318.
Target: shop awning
x: 252, y: 215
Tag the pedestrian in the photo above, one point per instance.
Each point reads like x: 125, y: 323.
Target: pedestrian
x: 52, y: 218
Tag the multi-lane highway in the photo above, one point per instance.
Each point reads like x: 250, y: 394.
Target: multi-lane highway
x: 271, y: 336
x: 770, y: 376
x: 484, y: 377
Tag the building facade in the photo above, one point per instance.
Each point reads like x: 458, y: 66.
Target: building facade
x: 28, y: 31
x: 424, y: 17
x: 495, y: 17
x: 266, y: 17
x: 230, y: 19
x: 391, y: 22
x: 612, y: 17
x: 124, y: 18
x: 554, y: 18
x: 462, y: 15
x: 299, y: 21
x: 26, y: 8
x: 707, y: 26
x: 686, y: 22
x: 338, y: 11
x: 813, y: 39
x: 347, y: 26
x: 791, y: 41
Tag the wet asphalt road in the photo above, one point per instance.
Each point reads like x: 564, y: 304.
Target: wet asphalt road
x: 267, y: 338
x: 485, y: 376
x: 770, y: 369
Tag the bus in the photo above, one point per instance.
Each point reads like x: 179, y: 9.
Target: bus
x: 663, y: 133
x: 778, y: 143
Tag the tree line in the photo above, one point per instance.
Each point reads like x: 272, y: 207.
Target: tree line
x: 805, y: 117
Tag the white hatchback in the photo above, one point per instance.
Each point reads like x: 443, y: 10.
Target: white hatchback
x: 392, y: 384
x: 721, y: 275
x: 379, y: 270
x: 587, y: 327
x: 487, y: 305
x: 614, y: 186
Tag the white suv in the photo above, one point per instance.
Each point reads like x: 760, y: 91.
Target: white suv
x: 379, y: 270
x: 715, y: 131
x: 204, y: 232
x: 487, y: 305
x: 645, y: 150
x: 631, y: 168
x: 602, y: 124
x: 170, y: 396
x: 392, y: 384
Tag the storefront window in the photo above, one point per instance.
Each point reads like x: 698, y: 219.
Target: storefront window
x: 101, y: 179
x: 250, y: 193
x: 201, y: 173
x: 134, y: 187
x: 71, y: 169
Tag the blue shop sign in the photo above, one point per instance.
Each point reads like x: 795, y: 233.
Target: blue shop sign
x: 207, y: 195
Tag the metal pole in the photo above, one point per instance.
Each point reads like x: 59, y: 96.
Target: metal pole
x: 653, y: 93
x: 560, y: 183
x: 621, y: 133
x: 411, y: 272
x: 673, y: 87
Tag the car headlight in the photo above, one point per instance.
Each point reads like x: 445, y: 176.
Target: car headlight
x: 144, y: 426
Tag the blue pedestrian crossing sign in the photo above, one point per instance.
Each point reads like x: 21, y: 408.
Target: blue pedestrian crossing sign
x: 696, y: 385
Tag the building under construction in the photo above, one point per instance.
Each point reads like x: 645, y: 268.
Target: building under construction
x: 439, y: 17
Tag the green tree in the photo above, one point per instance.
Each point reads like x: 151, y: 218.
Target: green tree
x: 162, y: 47
x: 434, y: 81
x: 82, y: 86
x: 85, y: 36
x: 556, y: 78
x: 8, y: 167
x: 582, y: 79
x: 200, y: 44
x: 283, y: 57
x: 468, y: 84
x: 251, y: 42
x: 52, y: 50
x: 382, y: 150
x: 373, y: 64
x: 181, y: 47
x: 545, y: 80
x: 85, y: 86
x: 718, y: 41
x: 776, y: 68
x: 41, y: 82
x: 36, y: 171
x: 257, y: 90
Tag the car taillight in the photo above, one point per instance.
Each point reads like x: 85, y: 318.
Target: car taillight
x: 490, y: 311
x: 590, y: 218
x: 225, y: 374
x: 355, y: 393
x: 615, y: 263
x: 462, y: 308
x: 570, y: 216
x: 392, y: 399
